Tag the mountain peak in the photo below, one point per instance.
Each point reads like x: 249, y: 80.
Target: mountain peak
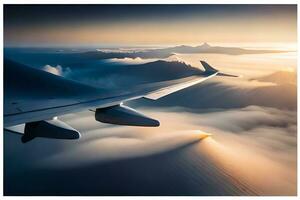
x: 205, y: 45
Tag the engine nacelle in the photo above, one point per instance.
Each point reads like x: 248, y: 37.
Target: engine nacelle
x: 49, y: 129
x: 123, y: 115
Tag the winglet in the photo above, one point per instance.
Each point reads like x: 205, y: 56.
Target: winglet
x: 210, y: 69
x: 207, y: 67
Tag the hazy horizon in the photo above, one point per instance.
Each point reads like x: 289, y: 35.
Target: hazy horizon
x: 290, y: 46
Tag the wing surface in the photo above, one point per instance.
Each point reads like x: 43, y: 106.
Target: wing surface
x: 34, y: 95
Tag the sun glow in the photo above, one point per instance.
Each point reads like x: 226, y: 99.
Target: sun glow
x: 244, y: 164
x: 202, y: 135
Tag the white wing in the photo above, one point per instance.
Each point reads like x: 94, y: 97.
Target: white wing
x: 33, y: 95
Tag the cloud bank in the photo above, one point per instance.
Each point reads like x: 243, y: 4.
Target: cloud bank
x: 256, y: 146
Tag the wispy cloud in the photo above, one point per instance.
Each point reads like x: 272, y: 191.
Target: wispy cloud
x: 57, y: 70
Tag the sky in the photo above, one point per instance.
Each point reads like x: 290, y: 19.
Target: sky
x: 59, y: 25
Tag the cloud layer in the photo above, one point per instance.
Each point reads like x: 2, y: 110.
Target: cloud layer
x: 256, y: 146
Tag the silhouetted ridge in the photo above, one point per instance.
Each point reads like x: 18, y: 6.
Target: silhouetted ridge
x: 162, y: 70
x: 175, y: 64
x: 141, y: 54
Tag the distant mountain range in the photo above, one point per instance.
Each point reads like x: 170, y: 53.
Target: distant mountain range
x: 39, y: 56
x: 167, y: 52
x: 206, y: 48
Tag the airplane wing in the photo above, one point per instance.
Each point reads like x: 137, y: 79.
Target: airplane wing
x: 36, y: 97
